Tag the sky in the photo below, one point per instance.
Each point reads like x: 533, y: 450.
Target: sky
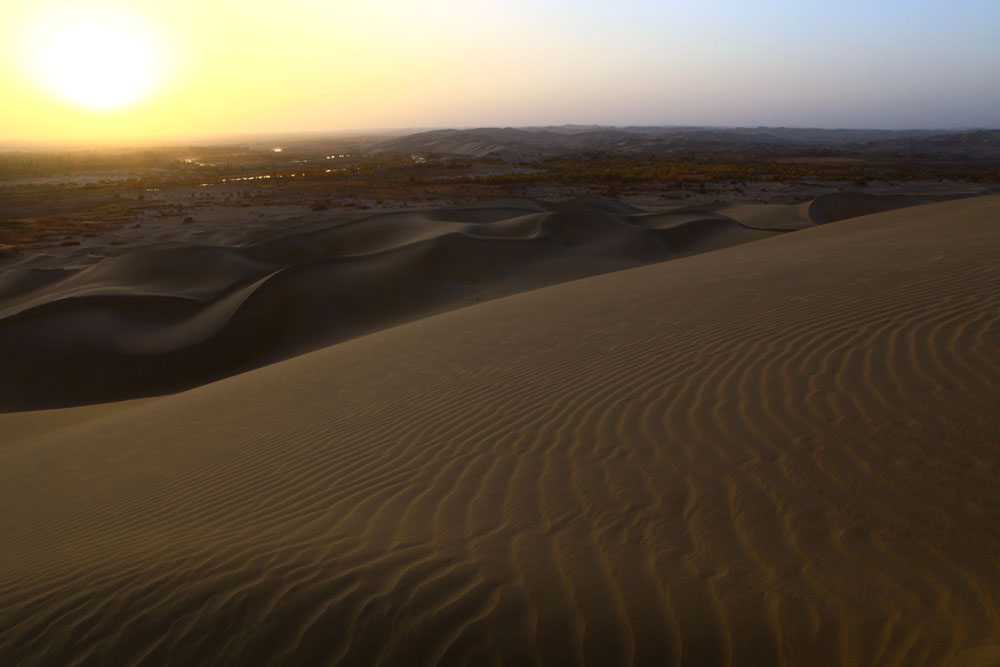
x: 119, y: 71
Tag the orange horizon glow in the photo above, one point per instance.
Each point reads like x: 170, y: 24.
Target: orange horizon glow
x: 118, y: 71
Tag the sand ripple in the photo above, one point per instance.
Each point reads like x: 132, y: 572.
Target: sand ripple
x: 779, y: 453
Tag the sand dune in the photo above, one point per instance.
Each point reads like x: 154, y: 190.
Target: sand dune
x: 843, y: 205
x: 172, y: 316
x: 783, y: 452
x: 167, y: 318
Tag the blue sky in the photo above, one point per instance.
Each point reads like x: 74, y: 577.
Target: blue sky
x: 859, y: 64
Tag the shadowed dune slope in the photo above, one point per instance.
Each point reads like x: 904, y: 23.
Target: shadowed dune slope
x: 784, y: 452
x: 167, y: 318
x: 824, y: 209
x: 843, y: 205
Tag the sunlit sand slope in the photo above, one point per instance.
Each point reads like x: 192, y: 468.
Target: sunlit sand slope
x: 784, y: 452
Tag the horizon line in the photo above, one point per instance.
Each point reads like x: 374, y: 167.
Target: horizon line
x: 9, y: 145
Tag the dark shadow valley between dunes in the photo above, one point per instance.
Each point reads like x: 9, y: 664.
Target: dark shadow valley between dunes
x: 161, y: 318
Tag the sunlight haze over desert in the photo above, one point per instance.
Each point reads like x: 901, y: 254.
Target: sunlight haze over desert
x: 110, y: 71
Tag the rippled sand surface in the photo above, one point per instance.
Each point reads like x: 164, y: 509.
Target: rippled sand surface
x: 782, y: 452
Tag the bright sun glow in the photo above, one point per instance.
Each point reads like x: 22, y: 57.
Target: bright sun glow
x: 97, y: 57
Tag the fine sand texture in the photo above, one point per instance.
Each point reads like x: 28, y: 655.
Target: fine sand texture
x: 785, y: 452
x: 107, y: 324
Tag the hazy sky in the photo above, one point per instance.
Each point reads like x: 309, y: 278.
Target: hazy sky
x: 117, y: 70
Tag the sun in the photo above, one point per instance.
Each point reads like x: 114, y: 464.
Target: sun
x: 98, y: 57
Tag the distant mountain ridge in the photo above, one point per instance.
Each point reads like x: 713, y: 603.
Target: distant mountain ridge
x: 532, y: 143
